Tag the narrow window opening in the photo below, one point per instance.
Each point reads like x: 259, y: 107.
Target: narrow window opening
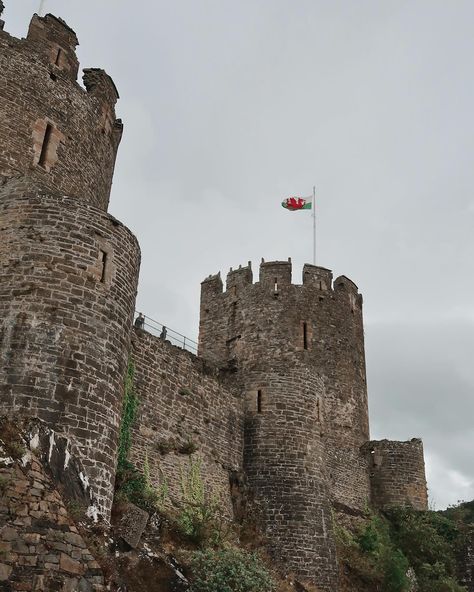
x: 44, y: 148
x: 305, y: 336
x: 103, y: 260
x: 53, y: 76
x: 58, y: 57
x: 259, y: 401
x: 276, y: 284
x: 318, y: 410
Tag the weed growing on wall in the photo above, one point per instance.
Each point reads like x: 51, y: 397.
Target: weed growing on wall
x: 229, y: 570
x: 199, y: 518
x: 129, y: 414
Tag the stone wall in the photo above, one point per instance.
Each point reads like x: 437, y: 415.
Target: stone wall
x: 53, y: 130
x: 318, y: 324
x: 187, y: 408
x: 68, y: 278
x: 397, y: 474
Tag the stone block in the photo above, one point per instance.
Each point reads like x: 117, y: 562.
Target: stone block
x: 132, y: 524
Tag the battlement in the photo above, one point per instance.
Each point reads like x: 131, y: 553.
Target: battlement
x: 276, y: 275
x: 238, y: 278
x: 100, y: 84
x: 57, y: 41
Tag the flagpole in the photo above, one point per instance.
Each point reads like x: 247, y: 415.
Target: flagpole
x: 314, y: 225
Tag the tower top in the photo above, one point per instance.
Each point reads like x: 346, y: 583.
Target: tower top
x: 66, y: 137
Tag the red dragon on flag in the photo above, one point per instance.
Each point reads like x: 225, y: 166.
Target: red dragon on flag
x: 297, y: 203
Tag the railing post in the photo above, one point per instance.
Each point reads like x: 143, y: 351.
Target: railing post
x: 184, y: 343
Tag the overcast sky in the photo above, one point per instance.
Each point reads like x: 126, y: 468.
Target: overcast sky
x: 231, y: 106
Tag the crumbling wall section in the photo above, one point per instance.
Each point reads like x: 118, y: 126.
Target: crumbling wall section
x: 187, y: 409
x: 397, y: 474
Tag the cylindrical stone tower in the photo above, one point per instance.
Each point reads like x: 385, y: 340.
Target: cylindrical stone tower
x: 300, y: 353
x: 318, y: 324
x: 68, y: 280
x: 68, y: 269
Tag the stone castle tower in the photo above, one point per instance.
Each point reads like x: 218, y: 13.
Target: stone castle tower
x: 68, y: 269
x: 298, y: 351
x: 277, y: 394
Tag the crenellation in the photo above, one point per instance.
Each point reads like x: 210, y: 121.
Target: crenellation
x: 52, y: 37
x: 239, y: 278
x: 275, y: 274
x: 318, y: 277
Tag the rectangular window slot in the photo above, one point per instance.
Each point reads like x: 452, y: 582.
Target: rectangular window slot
x: 58, y: 57
x: 259, y: 401
x: 43, y: 159
x: 103, y: 260
x: 305, y: 336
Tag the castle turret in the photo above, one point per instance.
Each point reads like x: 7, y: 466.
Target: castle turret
x: 317, y: 325
x: 299, y: 350
x: 54, y: 131
x: 68, y: 269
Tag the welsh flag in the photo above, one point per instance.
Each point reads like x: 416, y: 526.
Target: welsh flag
x: 298, y: 203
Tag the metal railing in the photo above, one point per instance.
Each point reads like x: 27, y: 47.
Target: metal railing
x: 164, y: 332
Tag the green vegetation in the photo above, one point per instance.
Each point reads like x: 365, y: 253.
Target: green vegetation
x: 132, y: 484
x: 129, y: 415
x: 229, y: 570
x: 199, y: 517
x: 387, y: 548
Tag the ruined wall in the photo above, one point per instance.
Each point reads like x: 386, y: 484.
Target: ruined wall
x: 185, y: 408
x: 68, y: 278
x: 53, y: 130
x: 318, y: 324
x: 397, y: 474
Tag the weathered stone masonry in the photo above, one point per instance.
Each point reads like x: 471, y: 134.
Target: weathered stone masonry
x: 277, y: 395
x: 298, y: 351
x: 65, y: 320
x: 187, y: 407
x: 54, y: 131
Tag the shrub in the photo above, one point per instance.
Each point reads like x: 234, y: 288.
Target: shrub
x: 229, y: 570
x: 388, y: 562
x: 429, y: 540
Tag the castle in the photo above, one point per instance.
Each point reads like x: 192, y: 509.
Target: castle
x: 275, y: 402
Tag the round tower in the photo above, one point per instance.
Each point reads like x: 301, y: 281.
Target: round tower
x: 61, y: 135
x: 299, y: 351
x: 68, y: 269
x: 318, y: 325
